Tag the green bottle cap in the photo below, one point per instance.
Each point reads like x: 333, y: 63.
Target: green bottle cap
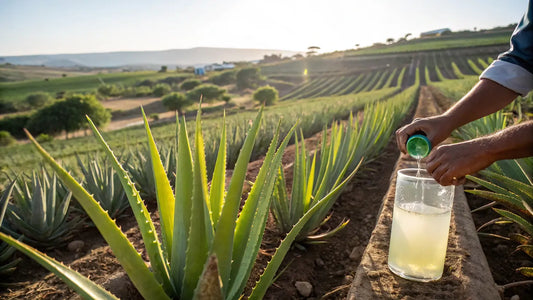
x: 418, y: 146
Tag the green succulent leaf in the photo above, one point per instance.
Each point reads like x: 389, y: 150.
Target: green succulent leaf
x: 165, y: 196
x: 81, y: 284
x: 266, y: 278
x: 142, y: 216
x: 128, y: 257
x: 527, y: 226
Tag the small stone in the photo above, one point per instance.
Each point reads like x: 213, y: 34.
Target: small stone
x: 357, y: 252
x: 319, y: 262
x: 515, y: 297
x: 304, y: 288
x: 76, y: 246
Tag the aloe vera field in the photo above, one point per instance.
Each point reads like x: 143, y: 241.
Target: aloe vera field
x: 265, y: 181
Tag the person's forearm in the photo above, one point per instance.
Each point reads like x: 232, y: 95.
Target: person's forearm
x: 513, y: 142
x: 485, y: 98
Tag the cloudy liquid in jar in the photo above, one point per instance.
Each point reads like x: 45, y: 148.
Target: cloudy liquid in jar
x: 418, y: 241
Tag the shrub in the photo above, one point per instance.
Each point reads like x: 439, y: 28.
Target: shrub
x: 208, y: 92
x: 6, y: 139
x: 247, y: 78
x: 43, y: 138
x: 161, y: 89
x: 154, y: 116
x: 143, y: 91
x: 146, y: 82
x: 14, y: 125
x: 38, y: 100
x: 176, y: 102
x: 6, y: 107
x: 224, y: 78
x: 190, y: 84
x: 266, y: 95
x: 69, y: 115
x: 173, y: 79
x: 109, y: 90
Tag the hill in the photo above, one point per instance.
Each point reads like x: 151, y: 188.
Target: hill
x: 154, y: 59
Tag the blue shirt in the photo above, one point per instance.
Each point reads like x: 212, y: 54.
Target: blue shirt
x: 514, y: 68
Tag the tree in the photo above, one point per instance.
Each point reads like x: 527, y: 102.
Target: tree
x: 69, y: 115
x: 38, y: 100
x: 176, y: 102
x: 390, y: 40
x: 161, y: 89
x: 312, y: 50
x: 163, y: 69
x: 208, y: 92
x: 190, y: 84
x: 247, y: 78
x: 266, y: 95
x: 407, y: 35
x: 224, y: 78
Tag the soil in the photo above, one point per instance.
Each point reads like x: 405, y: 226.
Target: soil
x: 329, y: 268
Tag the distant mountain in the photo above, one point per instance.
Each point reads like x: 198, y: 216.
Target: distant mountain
x: 174, y: 57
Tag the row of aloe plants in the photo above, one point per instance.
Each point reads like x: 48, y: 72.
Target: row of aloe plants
x: 200, y: 224
x: 314, y: 115
x: 315, y: 175
x: 342, y: 85
x: 184, y: 269
x: 99, y: 178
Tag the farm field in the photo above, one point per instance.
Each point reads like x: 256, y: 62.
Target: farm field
x: 16, y: 91
x: 355, y: 99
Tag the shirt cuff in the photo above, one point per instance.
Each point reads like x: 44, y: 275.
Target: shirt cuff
x: 511, y: 76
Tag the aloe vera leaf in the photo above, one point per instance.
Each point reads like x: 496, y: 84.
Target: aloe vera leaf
x: 4, y: 200
x: 182, y: 214
x: 252, y: 221
x: 527, y: 226
x: 526, y: 271
x: 198, y: 243
x: 512, y: 202
x: 165, y: 196
x: 527, y: 249
x: 296, y: 207
x: 142, y: 216
x: 328, y: 234
x: 216, y: 197
x: 209, y: 284
x: 224, y: 236
x: 264, y: 282
x: 127, y: 255
x: 518, y: 187
x: 81, y: 284
x: 309, y: 185
x: 280, y: 205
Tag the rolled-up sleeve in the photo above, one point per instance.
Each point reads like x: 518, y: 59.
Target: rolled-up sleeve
x: 514, y: 68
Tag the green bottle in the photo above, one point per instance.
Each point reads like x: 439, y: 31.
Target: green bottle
x: 418, y: 145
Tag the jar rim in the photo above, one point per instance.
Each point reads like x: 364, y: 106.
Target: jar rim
x: 411, y: 174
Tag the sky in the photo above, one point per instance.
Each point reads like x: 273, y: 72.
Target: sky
x: 84, y: 26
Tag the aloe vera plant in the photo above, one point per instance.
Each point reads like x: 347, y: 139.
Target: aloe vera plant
x: 207, y: 247
x: 40, y: 212
x: 139, y: 166
x: 7, y: 264
x: 101, y: 180
x: 314, y: 176
x: 517, y: 198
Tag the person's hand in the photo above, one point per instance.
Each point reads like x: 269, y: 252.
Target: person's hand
x: 436, y: 129
x: 449, y: 164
